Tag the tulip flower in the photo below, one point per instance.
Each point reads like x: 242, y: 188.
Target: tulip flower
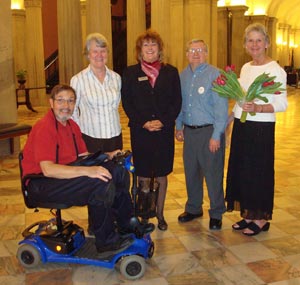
x: 228, y: 86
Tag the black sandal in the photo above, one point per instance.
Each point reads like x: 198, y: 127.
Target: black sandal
x: 241, y: 225
x: 256, y: 229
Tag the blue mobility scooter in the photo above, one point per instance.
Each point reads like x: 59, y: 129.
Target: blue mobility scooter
x: 57, y: 240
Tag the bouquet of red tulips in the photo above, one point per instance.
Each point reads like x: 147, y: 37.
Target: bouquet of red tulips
x: 228, y: 86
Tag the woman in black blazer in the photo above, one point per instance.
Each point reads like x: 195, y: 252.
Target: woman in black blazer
x: 151, y: 98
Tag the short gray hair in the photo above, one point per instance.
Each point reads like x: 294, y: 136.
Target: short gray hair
x: 100, y: 40
x: 196, y: 41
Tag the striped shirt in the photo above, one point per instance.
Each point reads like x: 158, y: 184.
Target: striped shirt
x: 96, y: 110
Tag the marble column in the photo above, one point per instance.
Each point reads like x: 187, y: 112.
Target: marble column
x: 160, y: 21
x: 18, y: 36
x: 237, y: 34
x: 214, y: 41
x: 69, y: 39
x: 83, y: 29
x: 177, y: 54
x: 272, y: 33
x: 283, y: 52
x: 98, y: 20
x: 136, y: 24
x: 35, y: 51
x: 8, y: 110
x: 201, y: 22
x: 224, y: 40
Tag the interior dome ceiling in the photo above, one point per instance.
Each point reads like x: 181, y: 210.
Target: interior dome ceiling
x: 286, y: 11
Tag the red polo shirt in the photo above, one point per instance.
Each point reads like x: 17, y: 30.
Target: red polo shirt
x: 43, y: 140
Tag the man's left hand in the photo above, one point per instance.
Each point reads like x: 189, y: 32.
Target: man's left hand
x: 214, y: 145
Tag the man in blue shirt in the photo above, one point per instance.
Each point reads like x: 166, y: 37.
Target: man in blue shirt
x: 201, y: 125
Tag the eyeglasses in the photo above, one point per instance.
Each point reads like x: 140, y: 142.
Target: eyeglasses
x: 61, y: 101
x: 198, y: 50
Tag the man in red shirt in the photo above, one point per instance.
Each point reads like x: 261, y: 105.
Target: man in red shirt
x: 56, y: 141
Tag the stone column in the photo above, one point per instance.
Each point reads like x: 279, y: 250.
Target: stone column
x: 224, y: 46
x: 8, y: 110
x: 98, y: 20
x: 272, y: 33
x: 200, y: 22
x: 18, y: 36
x: 237, y: 33
x: 283, y: 48
x: 136, y: 24
x: 69, y: 39
x: 35, y: 51
x: 160, y: 21
x: 83, y: 29
x: 177, y: 55
x: 214, y: 40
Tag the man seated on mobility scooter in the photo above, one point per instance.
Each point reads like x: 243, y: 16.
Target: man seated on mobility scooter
x: 53, y: 144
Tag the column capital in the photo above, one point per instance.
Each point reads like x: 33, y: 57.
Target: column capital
x: 33, y: 3
x: 273, y: 20
x: 238, y: 9
x: 83, y: 8
x: 18, y: 12
x: 283, y: 26
x: 197, y: 2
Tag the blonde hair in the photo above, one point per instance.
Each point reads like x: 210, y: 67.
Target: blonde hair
x: 257, y: 27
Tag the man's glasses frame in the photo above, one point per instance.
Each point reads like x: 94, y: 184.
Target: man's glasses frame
x: 61, y: 101
x: 194, y: 50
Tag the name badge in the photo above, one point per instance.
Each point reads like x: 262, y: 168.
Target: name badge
x: 143, y: 78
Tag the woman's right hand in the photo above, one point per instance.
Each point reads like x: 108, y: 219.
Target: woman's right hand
x: 152, y: 126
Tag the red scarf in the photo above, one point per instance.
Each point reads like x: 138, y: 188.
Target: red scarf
x: 152, y: 70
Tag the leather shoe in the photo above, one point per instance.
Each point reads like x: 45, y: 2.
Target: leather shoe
x: 186, y: 217
x: 113, y: 248
x: 139, y: 230
x: 162, y: 224
x: 215, y: 224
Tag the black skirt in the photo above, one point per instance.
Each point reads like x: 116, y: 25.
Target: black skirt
x: 153, y: 152
x: 250, y: 175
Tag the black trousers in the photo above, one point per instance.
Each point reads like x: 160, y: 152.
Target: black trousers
x: 108, y: 202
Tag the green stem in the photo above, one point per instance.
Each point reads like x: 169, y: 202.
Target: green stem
x: 243, y: 117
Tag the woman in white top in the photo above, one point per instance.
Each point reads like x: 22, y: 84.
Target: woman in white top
x: 98, y: 91
x: 250, y: 176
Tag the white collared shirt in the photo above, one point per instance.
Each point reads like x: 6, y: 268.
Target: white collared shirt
x: 96, y: 110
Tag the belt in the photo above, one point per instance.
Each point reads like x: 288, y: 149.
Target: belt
x: 197, y: 127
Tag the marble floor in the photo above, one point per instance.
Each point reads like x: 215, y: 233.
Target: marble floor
x: 186, y: 253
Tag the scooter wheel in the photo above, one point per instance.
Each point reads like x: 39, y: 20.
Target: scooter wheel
x: 151, y: 249
x: 133, y: 267
x: 28, y: 256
